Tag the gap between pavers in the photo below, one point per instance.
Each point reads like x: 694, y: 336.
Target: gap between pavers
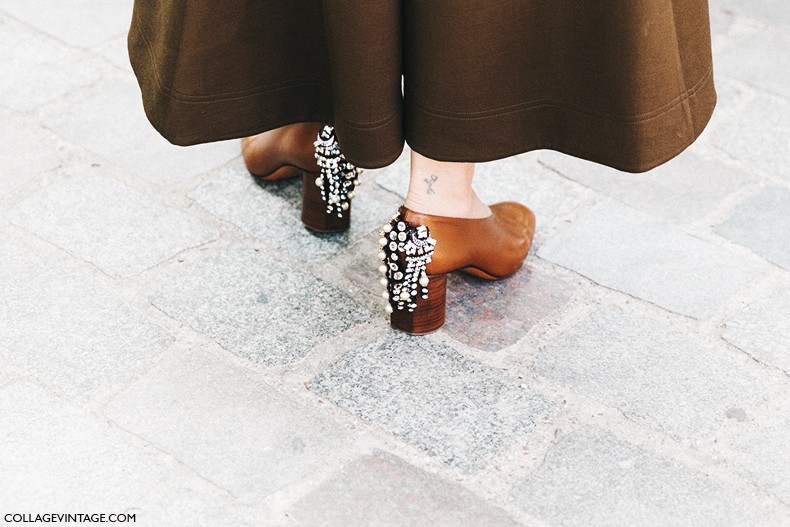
x: 257, y: 306
x: 96, y: 218
x: 621, y: 248
x: 57, y: 457
x: 459, y: 411
x: 592, y: 477
x: 229, y: 425
x: 67, y: 330
x: 383, y: 490
x: 654, y: 367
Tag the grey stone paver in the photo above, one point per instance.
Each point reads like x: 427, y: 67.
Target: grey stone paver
x: 228, y: 424
x: 83, y: 23
x: 761, y: 454
x: 189, y: 507
x: 493, y: 315
x: 55, y: 457
x: 271, y: 212
x: 721, y: 19
x: 766, y: 146
x: 459, y: 411
x: 762, y: 328
x: 247, y: 301
x: 68, y: 331
x: 654, y: 368
x: 771, y: 72
x: 360, y: 266
x: 769, y: 11
x: 593, y: 479
x: 98, y: 219
x: 682, y: 190
x: 762, y: 223
x: 39, y: 69
x: 627, y: 250
x: 384, y: 491
x: 117, y: 52
x: 729, y: 93
x: 108, y: 119
x: 7, y: 374
x: 27, y: 151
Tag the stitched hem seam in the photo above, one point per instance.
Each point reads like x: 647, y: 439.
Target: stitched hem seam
x: 373, y: 125
x: 581, y: 151
x: 544, y: 102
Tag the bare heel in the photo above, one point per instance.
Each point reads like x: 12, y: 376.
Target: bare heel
x: 428, y: 316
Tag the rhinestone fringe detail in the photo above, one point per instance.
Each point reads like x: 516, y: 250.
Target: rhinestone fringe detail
x: 338, y: 177
x: 404, y: 250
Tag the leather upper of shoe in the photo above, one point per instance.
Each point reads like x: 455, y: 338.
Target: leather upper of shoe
x: 265, y: 153
x: 491, y: 248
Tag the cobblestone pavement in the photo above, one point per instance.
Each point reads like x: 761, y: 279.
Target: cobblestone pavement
x: 175, y: 345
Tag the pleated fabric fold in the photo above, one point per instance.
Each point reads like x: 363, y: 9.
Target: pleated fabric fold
x: 626, y: 83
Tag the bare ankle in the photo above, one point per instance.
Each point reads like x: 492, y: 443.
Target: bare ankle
x: 470, y: 207
x: 443, y: 189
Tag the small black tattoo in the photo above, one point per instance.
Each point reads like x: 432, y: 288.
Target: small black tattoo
x: 430, y: 183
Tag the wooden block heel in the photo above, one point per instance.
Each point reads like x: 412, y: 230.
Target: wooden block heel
x: 314, y: 214
x: 428, y: 316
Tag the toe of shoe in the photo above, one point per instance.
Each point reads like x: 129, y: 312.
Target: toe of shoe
x: 519, y: 217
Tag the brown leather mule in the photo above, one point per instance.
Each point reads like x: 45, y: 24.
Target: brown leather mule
x: 419, y: 250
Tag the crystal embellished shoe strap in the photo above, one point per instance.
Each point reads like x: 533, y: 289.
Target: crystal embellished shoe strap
x: 338, y: 177
x: 405, y: 251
